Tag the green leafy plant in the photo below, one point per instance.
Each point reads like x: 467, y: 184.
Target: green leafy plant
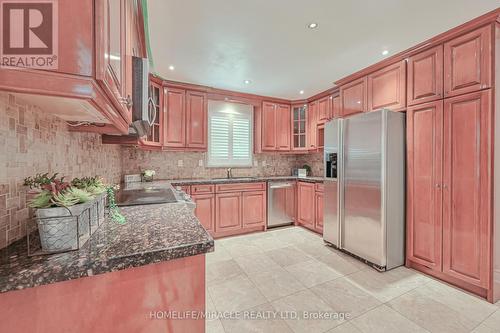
x: 114, y: 211
x: 93, y: 185
x: 41, y: 200
x: 39, y: 180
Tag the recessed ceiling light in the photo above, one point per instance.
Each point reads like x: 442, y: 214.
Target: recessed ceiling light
x: 385, y: 52
x: 171, y: 67
x: 247, y: 81
x: 301, y: 92
x: 312, y: 25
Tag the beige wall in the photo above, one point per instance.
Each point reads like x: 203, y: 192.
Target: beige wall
x: 34, y: 142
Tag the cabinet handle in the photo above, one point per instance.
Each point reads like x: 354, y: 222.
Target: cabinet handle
x: 127, y: 101
x: 438, y: 185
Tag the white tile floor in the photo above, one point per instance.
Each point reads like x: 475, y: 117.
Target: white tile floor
x: 292, y: 270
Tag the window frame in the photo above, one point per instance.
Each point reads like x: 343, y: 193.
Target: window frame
x: 230, y: 163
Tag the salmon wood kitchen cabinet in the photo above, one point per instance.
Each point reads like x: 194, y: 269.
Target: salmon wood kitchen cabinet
x: 353, y: 97
x: 92, y: 80
x: 185, y: 119
x: 467, y: 62
x: 205, y: 210
x: 449, y: 190
x: 387, y: 88
x: 305, y: 204
x: 231, y: 209
x: 425, y: 76
x: 276, y: 120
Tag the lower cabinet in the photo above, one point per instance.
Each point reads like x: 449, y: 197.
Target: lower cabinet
x: 253, y: 208
x: 310, y: 206
x: 318, y: 212
x: 305, y: 199
x: 205, y: 210
x: 231, y: 209
x: 449, y: 190
x: 228, y: 212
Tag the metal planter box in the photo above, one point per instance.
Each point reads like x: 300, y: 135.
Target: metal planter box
x: 69, y: 228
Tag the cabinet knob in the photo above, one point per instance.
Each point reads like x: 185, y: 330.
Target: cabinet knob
x: 127, y: 101
x: 438, y: 185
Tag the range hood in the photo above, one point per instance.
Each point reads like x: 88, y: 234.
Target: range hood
x: 143, y: 106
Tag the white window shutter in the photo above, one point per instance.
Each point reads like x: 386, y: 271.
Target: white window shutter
x: 230, y: 134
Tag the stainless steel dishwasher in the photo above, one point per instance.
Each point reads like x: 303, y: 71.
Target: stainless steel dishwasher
x: 280, y: 203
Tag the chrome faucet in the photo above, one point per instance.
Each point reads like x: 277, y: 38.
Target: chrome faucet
x: 229, y: 173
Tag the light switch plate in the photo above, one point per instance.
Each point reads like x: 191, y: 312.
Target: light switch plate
x: 264, y: 163
x: 255, y: 163
x: 180, y: 163
x: 200, y: 163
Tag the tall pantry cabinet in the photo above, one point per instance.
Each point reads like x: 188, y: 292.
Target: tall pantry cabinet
x: 450, y: 138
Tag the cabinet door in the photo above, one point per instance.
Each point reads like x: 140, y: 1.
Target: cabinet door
x: 205, y: 210
x: 425, y: 150
x: 290, y: 202
x: 353, y: 97
x: 467, y: 188
x: 283, y: 119
x: 467, y: 62
x: 196, y: 120
x: 425, y: 76
x: 312, y: 111
x: 318, y: 212
x: 299, y: 132
x: 268, y: 126
x: 110, y: 50
x: 324, y: 107
x: 155, y: 136
x: 174, y: 118
x: 228, y: 211
x: 336, y: 107
x: 254, y: 209
x: 305, y: 201
x: 387, y: 88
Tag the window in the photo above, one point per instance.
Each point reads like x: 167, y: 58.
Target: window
x: 230, y: 134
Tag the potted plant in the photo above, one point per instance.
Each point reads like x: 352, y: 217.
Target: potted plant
x: 62, y: 212
x: 148, y: 175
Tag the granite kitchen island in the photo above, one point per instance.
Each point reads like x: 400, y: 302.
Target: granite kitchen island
x: 126, y: 278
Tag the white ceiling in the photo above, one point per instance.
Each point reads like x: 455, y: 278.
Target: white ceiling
x: 221, y: 43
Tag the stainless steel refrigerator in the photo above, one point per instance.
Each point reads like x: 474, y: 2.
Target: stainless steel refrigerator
x: 365, y: 186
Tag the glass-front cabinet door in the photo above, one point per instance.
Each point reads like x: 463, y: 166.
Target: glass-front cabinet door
x: 299, y: 127
x: 155, y: 95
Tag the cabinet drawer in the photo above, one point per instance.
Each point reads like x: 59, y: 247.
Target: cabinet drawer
x: 242, y: 187
x: 200, y: 189
x: 320, y: 187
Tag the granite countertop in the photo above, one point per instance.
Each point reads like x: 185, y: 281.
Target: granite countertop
x: 180, y: 182
x: 152, y: 234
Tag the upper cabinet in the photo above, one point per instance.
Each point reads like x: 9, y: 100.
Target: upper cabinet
x: 312, y: 112
x: 156, y: 95
x: 336, y: 107
x: 353, y: 97
x: 425, y: 76
x: 324, y: 109
x: 387, y: 88
x: 467, y: 62
x: 174, y: 118
x: 276, y: 120
x: 299, y: 123
x: 196, y: 120
x: 185, y: 119
x: 92, y: 82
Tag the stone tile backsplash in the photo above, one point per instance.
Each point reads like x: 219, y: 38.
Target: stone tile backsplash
x: 34, y: 142
x: 184, y: 165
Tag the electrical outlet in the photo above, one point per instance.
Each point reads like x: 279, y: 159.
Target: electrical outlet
x: 200, y: 163
x: 264, y: 163
x: 255, y: 163
x: 180, y: 163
